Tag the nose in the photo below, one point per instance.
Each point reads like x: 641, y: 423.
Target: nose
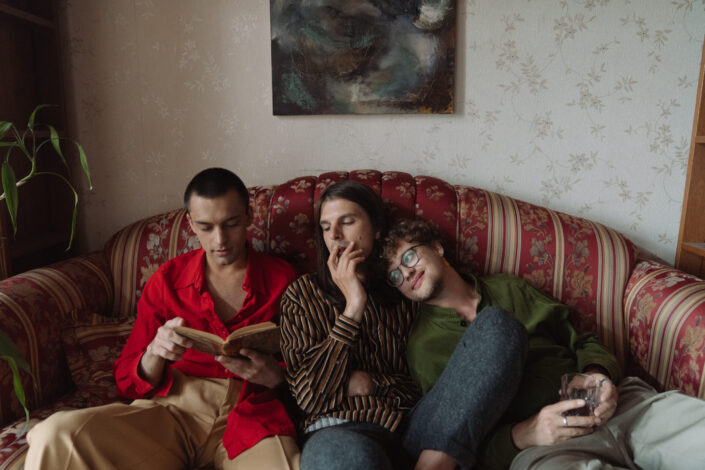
x: 219, y: 236
x: 406, y: 271
x: 335, y: 232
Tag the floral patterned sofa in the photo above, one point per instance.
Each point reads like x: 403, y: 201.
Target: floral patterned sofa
x: 70, y: 319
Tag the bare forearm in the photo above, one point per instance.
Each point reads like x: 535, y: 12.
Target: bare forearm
x: 151, y: 368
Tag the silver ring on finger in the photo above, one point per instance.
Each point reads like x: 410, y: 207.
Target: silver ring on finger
x: 565, y: 421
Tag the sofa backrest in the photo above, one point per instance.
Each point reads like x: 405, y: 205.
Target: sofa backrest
x: 582, y: 263
x: 34, y: 307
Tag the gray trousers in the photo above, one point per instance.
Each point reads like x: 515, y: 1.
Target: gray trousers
x: 649, y: 430
x: 477, y: 385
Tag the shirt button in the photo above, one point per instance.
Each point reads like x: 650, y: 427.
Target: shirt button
x: 463, y: 323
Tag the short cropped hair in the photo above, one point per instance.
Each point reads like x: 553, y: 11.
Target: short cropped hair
x: 214, y: 182
x: 416, y: 231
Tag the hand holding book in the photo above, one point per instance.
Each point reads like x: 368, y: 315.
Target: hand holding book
x: 263, y: 337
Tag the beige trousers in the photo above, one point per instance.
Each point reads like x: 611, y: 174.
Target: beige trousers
x: 181, y: 431
x: 663, y: 431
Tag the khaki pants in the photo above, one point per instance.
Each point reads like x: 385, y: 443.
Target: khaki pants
x: 649, y: 430
x: 183, y: 430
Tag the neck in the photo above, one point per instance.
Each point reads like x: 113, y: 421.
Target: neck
x: 235, y: 270
x: 457, y: 294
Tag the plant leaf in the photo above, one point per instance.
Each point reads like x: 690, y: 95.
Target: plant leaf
x: 17, y: 385
x: 4, y: 127
x: 73, y: 219
x: 10, y: 354
x: 75, y: 201
x: 9, y: 187
x: 30, y: 122
x: 54, y: 137
x: 84, y: 164
x: 8, y: 349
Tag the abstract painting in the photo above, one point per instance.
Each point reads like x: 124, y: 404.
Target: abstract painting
x: 362, y: 56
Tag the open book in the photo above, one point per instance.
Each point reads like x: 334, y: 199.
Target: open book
x: 263, y: 337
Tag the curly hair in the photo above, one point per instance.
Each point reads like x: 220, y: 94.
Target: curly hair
x: 415, y: 231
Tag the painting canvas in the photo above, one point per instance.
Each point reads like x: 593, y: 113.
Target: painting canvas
x: 362, y: 56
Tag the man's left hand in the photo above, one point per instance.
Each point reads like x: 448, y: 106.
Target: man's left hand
x: 608, y: 398
x: 255, y: 367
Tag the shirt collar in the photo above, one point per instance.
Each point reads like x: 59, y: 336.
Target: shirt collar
x: 255, y: 276
x: 192, y: 272
x: 449, y: 313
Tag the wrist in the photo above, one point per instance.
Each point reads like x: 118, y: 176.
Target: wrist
x: 354, y: 311
x: 520, y: 435
x: 596, y: 368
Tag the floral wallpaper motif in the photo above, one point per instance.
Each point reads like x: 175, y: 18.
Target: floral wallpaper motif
x: 584, y: 106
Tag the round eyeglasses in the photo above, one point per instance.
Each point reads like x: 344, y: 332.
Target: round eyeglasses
x: 409, y: 258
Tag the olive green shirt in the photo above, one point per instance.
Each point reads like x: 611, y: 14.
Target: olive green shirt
x: 555, y: 347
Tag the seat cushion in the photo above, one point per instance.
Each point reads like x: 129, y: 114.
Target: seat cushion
x: 91, y: 346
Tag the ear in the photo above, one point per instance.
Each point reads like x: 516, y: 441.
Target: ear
x: 377, y: 235
x: 190, y: 222
x: 437, y: 247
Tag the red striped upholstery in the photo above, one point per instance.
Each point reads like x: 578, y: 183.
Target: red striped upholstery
x: 657, y: 321
x: 33, y: 306
x: 584, y: 264
x: 666, y: 316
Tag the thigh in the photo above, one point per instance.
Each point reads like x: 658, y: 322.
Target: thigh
x: 568, y: 459
x: 99, y: 437
x: 670, y: 433
x: 476, y: 386
x: 350, y: 446
x: 272, y: 453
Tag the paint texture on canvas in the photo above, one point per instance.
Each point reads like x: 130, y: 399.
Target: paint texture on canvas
x: 366, y: 56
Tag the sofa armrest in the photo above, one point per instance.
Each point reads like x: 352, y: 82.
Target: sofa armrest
x: 33, y: 307
x: 665, y: 311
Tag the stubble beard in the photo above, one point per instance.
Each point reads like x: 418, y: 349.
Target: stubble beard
x: 428, y: 293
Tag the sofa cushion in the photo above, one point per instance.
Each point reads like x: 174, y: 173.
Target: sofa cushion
x: 665, y: 311
x: 33, y: 306
x: 91, y: 346
x: 13, y: 437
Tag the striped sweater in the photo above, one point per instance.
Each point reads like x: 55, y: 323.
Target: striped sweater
x: 322, y: 348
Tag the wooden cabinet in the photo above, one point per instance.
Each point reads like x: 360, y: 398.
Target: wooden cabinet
x: 32, y: 75
x: 690, y: 254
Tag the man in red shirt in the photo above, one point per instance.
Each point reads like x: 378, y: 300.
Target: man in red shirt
x: 190, y: 409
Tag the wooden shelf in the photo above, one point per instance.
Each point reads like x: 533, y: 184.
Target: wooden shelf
x: 690, y: 253
x: 46, y: 240
x: 32, y: 74
x: 26, y: 16
x: 694, y: 248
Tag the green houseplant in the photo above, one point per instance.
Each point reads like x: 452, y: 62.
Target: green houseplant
x: 28, y: 143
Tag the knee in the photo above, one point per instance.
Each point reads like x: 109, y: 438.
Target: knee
x: 504, y: 333
x: 334, y: 448
x: 50, y: 429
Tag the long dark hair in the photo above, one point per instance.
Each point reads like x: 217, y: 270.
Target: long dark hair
x: 372, y: 205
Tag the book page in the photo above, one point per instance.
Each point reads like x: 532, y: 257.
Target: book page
x: 202, y: 340
x: 263, y: 337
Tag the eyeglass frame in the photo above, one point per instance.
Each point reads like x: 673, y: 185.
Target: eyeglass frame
x: 413, y: 250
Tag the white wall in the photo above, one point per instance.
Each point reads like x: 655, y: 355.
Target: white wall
x: 585, y: 106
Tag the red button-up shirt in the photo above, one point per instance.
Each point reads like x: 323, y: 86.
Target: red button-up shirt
x: 178, y: 289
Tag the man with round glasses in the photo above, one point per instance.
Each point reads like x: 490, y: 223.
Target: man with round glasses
x: 633, y: 426
x: 408, y: 259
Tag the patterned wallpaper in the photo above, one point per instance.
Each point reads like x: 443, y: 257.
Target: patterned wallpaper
x: 584, y: 106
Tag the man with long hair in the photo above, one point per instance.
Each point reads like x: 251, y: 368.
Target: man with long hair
x: 344, y: 342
